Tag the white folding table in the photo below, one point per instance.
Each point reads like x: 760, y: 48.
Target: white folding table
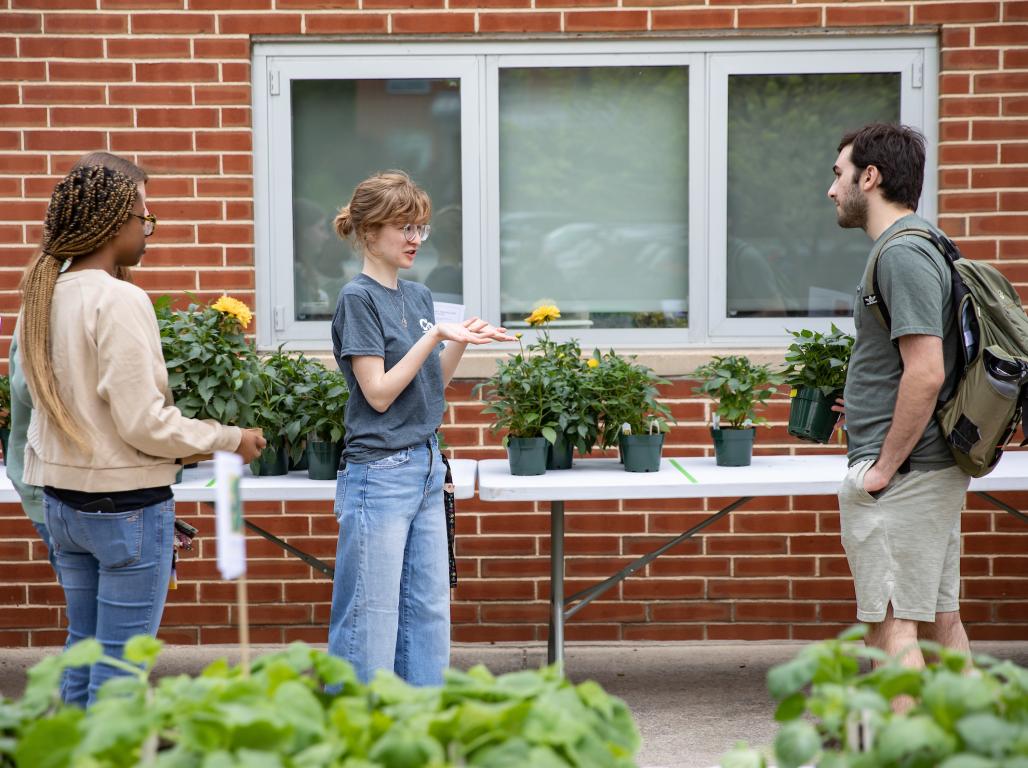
x: 198, y: 485
x: 603, y: 479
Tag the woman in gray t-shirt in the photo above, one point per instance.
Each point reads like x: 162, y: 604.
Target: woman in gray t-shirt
x: 391, y: 594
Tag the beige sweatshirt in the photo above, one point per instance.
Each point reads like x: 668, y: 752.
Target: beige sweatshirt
x: 110, y: 372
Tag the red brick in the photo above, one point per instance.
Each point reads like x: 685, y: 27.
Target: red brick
x: 1001, y: 82
x: 732, y: 545
x: 573, y: 3
x: 950, y: 83
x: 81, y: 23
x: 177, y: 118
x: 1015, y: 59
x: 604, y: 523
x: 1004, y: 34
x: 239, y: 280
x: 864, y: 16
x: 149, y: 48
x: 1004, y: 588
x: 494, y: 633
x: 752, y: 588
x: 223, y: 141
x: 177, y: 71
x: 22, y: 22
x: 83, y: 141
x: 151, y: 141
x: 767, y: 18
x: 174, y: 23
x: 514, y: 567
x: 494, y: 590
x: 20, y: 617
x: 90, y: 71
x: 585, y: 545
x: 79, y: 117
x: 434, y: 23
x: 748, y: 632
x: 519, y: 22
x: 692, y: 611
x: 217, y: 48
x: 662, y: 589
x: 1015, y: 106
x: 999, y: 225
x: 999, y: 177
x: 602, y: 21
x: 1015, y: 10
x: 689, y: 566
x: 956, y: 37
x: 60, y: 48
x: 967, y: 202
x: 222, y: 94
x: 54, y: 5
x: 775, y: 612
x: 237, y: 117
x: 968, y: 154
x: 23, y: 117
x: 233, y: 5
x: 62, y: 94
x: 21, y: 71
x: 773, y: 566
x: 1013, y: 201
x: 950, y: 13
x: 259, y: 24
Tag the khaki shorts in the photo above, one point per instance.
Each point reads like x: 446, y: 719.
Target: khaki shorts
x: 903, y: 547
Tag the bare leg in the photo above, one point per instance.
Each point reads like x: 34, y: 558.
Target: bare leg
x: 947, y: 630
x: 898, y: 638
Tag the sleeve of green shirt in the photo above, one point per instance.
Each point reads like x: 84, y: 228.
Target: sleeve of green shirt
x: 915, y: 286
x: 21, y: 414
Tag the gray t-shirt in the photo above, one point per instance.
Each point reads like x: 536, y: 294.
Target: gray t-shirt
x: 368, y: 321
x: 915, y: 282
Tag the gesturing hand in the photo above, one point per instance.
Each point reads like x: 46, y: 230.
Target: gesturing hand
x: 460, y: 333
x: 483, y: 327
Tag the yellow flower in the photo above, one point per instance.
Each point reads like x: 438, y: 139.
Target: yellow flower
x: 229, y: 306
x: 518, y: 335
x: 592, y: 362
x: 542, y: 315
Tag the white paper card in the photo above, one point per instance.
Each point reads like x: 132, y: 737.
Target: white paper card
x: 448, y: 313
x: 228, y: 515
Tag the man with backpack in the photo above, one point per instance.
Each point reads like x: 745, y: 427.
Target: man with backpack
x: 901, y: 500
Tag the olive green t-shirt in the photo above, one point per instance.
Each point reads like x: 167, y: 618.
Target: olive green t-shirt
x: 914, y: 281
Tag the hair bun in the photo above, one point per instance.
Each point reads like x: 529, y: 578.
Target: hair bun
x: 343, y: 222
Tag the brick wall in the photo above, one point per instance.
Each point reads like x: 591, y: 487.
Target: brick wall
x: 167, y: 83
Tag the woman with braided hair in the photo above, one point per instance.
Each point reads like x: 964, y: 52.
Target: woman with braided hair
x: 105, y: 433
x: 21, y: 401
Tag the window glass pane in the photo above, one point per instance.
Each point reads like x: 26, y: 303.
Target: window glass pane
x: 593, y: 194
x: 786, y: 254
x: 345, y: 130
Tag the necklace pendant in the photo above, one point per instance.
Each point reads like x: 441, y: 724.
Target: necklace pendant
x: 404, y: 321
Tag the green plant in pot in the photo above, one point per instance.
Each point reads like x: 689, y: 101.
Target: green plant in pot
x: 522, y: 402
x: 632, y: 417
x: 326, y: 408
x: 739, y: 387
x: 208, y: 359
x: 571, y: 399
x: 296, y: 374
x: 816, y: 374
x: 271, y: 409
x: 5, y: 412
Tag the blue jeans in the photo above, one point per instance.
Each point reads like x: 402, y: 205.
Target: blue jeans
x: 44, y: 534
x: 115, y: 570
x: 391, y: 596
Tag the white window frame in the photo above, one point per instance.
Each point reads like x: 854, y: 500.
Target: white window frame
x: 477, y: 64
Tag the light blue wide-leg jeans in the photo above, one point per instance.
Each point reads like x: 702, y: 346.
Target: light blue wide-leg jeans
x: 114, y: 568
x: 391, y: 595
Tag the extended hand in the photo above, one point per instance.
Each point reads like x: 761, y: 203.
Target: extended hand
x: 483, y: 327
x: 875, y: 479
x: 251, y: 444
x: 840, y: 407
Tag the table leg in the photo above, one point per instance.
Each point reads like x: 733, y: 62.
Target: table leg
x: 555, y: 641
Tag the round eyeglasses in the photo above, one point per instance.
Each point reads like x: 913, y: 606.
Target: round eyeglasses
x: 149, y: 223
x: 420, y: 230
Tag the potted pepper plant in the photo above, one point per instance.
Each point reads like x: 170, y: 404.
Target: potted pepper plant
x: 296, y: 374
x: 738, y: 386
x: 325, y: 406
x: 816, y: 375
x: 632, y: 417
x: 271, y: 414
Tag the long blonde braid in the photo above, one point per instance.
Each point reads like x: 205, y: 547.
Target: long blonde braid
x: 87, y: 208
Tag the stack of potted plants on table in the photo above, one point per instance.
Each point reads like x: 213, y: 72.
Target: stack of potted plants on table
x: 738, y: 387
x: 325, y: 404
x: 816, y: 373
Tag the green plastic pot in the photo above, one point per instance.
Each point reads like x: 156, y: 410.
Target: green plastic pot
x: 733, y: 447
x: 558, y: 455
x: 178, y: 476
x: 527, y: 455
x: 5, y: 434
x: 811, y: 416
x: 300, y: 465
x: 642, y: 452
x: 323, y: 459
x: 274, y: 460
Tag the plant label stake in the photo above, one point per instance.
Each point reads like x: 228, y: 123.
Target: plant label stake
x: 228, y: 519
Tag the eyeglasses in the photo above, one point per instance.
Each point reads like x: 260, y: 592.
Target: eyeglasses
x: 421, y: 230
x: 149, y: 223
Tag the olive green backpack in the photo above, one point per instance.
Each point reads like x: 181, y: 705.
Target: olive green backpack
x: 981, y: 405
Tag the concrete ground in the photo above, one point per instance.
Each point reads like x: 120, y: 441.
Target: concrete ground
x: 691, y: 701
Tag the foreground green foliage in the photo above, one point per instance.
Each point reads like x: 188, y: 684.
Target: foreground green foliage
x: 834, y: 716
x: 281, y: 717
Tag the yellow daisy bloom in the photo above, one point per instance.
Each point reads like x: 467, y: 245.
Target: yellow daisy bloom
x: 542, y: 315
x: 592, y: 362
x: 229, y: 306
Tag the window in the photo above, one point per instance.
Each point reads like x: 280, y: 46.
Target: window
x: 662, y: 193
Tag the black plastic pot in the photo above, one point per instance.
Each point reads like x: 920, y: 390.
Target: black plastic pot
x: 558, y: 455
x: 300, y: 465
x: 5, y: 434
x: 811, y: 416
x: 733, y: 447
x: 642, y: 452
x: 274, y: 459
x: 323, y: 459
x: 527, y: 455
